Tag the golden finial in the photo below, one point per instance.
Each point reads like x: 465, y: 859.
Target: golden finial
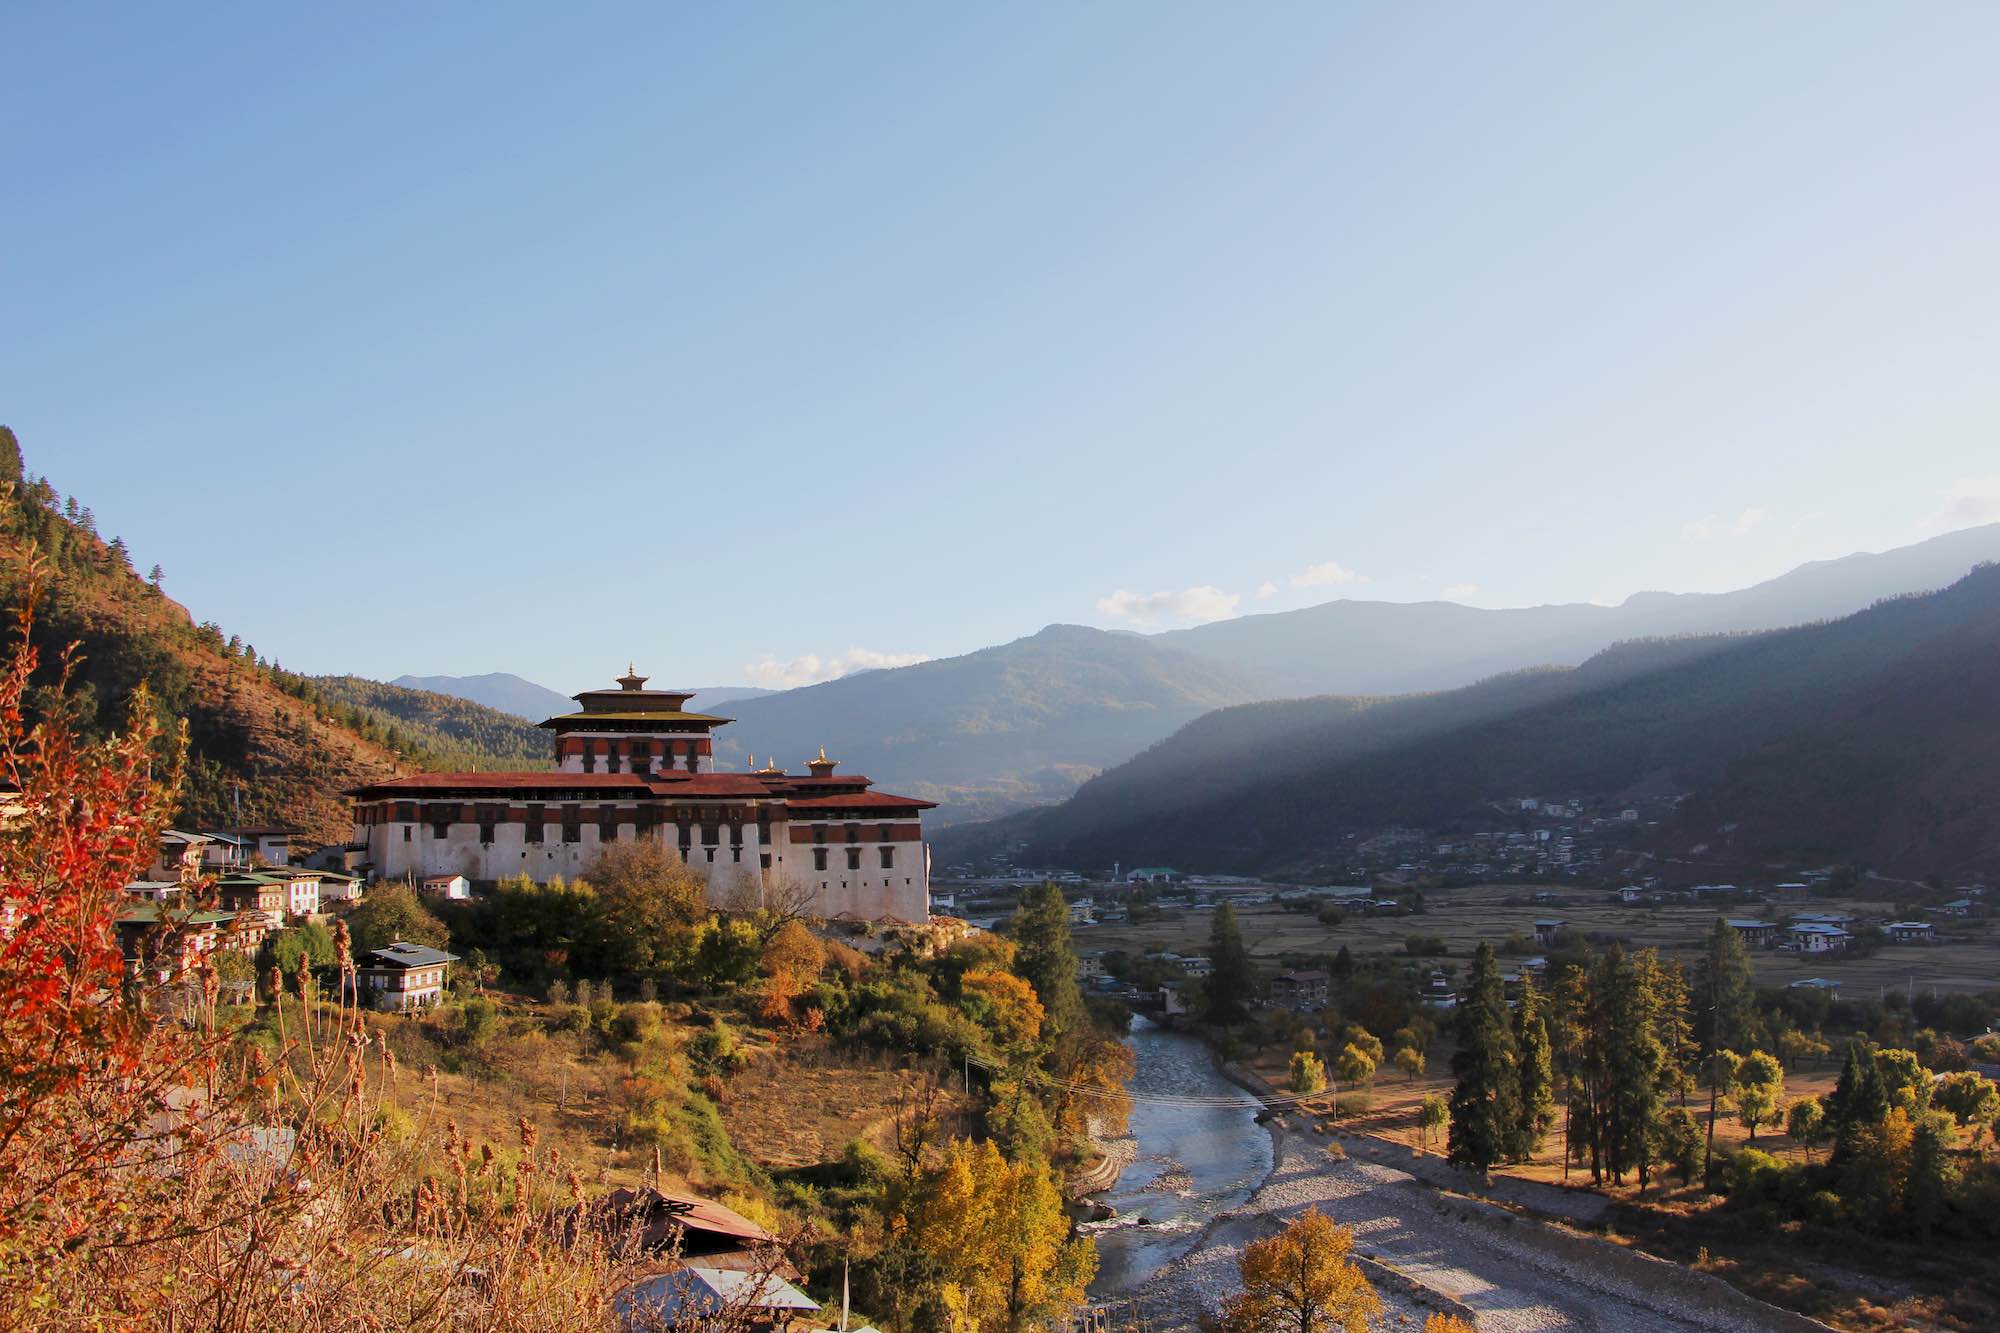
x: 822, y: 755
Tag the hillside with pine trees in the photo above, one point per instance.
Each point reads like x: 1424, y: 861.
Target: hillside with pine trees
x: 265, y: 745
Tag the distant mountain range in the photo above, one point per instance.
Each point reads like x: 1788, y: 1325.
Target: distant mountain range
x: 523, y: 698
x: 1356, y: 647
x: 1872, y: 738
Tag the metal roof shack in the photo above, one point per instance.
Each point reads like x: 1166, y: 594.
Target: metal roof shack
x: 402, y: 955
x: 696, y: 1294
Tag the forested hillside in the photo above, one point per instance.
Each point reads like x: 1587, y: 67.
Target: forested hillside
x: 450, y: 732
x: 265, y: 745
x: 1868, y: 738
x: 995, y: 729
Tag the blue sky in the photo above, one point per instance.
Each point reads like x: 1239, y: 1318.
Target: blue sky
x: 762, y: 341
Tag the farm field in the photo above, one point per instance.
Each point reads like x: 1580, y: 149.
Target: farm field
x: 1464, y: 917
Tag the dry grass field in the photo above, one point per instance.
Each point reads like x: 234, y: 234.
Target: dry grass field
x: 1463, y: 917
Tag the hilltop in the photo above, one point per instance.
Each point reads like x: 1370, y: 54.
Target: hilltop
x: 1868, y: 738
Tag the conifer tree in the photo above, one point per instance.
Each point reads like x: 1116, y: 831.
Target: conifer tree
x: 1858, y: 1100
x: 1537, y: 1072
x: 1044, y: 956
x: 1722, y: 1015
x: 1634, y: 1059
x: 1485, y: 1100
x: 1230, y: 981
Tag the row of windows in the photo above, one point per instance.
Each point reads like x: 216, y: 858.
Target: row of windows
x: 854, y: 858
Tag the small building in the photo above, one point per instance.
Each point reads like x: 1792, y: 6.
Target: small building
x: 1815, y: 983
x: 334, y: 887
x: 1197, y: 965
x: 1437, y: 993
x: 261, y: 845
x: 1755, y: 932
x: 1300, y: 992
x: 452, y: 888
x: 1083, y: 912
x: 1090, y: 964
x: 179, y: 854
x: 167, y: 941
x: 252, y: 891
x: 155, y: 890
x: 1910, y: 932
x: 1815, y: 937
x: 1959, y: 907
x: 1547, y: 930
x: 405, y: 976
x: 686, y: 1226
x: 1796, y: 891
x: 1631, y: 894
x: 1153, y: 875
x: 696, y: 1297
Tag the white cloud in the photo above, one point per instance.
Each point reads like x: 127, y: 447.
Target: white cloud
x: 1325, y: 573
x: 1967, y: 503
x: 1460, y: 592
x: 1747, y: 520
x: 1200, y: 603
x: 1266, y: 591
x: 811, y: 669
x: 1710, y: 526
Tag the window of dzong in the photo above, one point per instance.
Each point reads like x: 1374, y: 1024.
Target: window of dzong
x: 736, y: 852
x: 887, y: 831
x: 888, y: 858
x: 819, y: 858
x: 764, y: 860
x: 819, y: 833
x: 607, y: 826
x: 854, y: 833
x: 572, y: 828
x: 854, y: 858
x: 711, y: 835
x: 535, y: 821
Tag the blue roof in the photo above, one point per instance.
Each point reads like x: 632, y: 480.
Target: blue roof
x: 705, y: 1291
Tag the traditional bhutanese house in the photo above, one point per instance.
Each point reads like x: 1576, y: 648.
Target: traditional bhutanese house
x: 1299, y: 991
x: 335, y: 887
x: 698, y: 1297
x: 167, y: 941
x: 269, y: 844
x: 1755, y: 932
x: 693, y: 1229
x: 179, y: 854
x: 404, y: 976
x: 635, y: 764
x: 1546, y: 931
x: 1910, y: 932
x: 1814, y: 937
x: 254, y: 891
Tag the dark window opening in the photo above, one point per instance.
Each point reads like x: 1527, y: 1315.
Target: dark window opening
x: 736, y: 853
x: 854, y: 858
x: 819, y: 858
x: 819, y: 833
x: 888, y: 858
x: 764, y: 860
x: 535, y: 821
x: 888, y: 832
x: 406, y: 833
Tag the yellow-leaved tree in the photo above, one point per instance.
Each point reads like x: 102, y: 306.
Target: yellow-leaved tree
x: 997, y: 1239
x: 1302, y: 1281
x: 1007, y: 1004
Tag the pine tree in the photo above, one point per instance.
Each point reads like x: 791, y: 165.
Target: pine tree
x: 1044, y: 956
x: 1858, y: 1101
x: 1537, y: 1073
x: 1231, y: 983
x: 1723, y: 1015
x: 1627, y: 1007
x: 1485, y: 1099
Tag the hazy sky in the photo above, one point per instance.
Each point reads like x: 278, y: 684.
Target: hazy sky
x: 752, y: 342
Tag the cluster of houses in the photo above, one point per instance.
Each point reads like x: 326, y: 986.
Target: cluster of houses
x: 219, y: 891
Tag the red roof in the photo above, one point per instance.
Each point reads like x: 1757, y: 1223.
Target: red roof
x: 859, y: 800
x: 436, y: 782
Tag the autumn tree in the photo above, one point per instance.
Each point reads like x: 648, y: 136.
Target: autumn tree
x: 1302, y: 1281
x: 1308, y: 1074
x: 1805, y: 1123
x: 392, y: 911
x: 647, y: 905
x: 791, y: 961
x: 1760, y: 1090
x: 1006, y: 1005
x: 1432, y: 1115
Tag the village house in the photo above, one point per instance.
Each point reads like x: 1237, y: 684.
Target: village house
x: 1817, y: 937
x: 256, y: 845
x: 1755, y: 932
x: 335, y: 887
x: 1910, y: 932
x: 1300, y: 992
x: 1795, y: 891
x: 404, y: 976
x: 1546, y: 931
x: 250, y: 891
x: 1631, y: 894
x: 634, y: 764
x: 1959, y: 907
x: 167, y: 942
x: 1815, y: 983
x: 696, y: 1297
x: 180, y: 854
x: 452, y: 888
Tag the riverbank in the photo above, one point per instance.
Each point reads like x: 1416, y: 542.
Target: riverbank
x: 1428, y: 1248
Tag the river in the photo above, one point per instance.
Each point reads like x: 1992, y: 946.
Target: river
x: 1194, y: 1160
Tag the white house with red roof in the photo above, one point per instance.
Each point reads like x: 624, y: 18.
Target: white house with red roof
x: 636, y: 764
